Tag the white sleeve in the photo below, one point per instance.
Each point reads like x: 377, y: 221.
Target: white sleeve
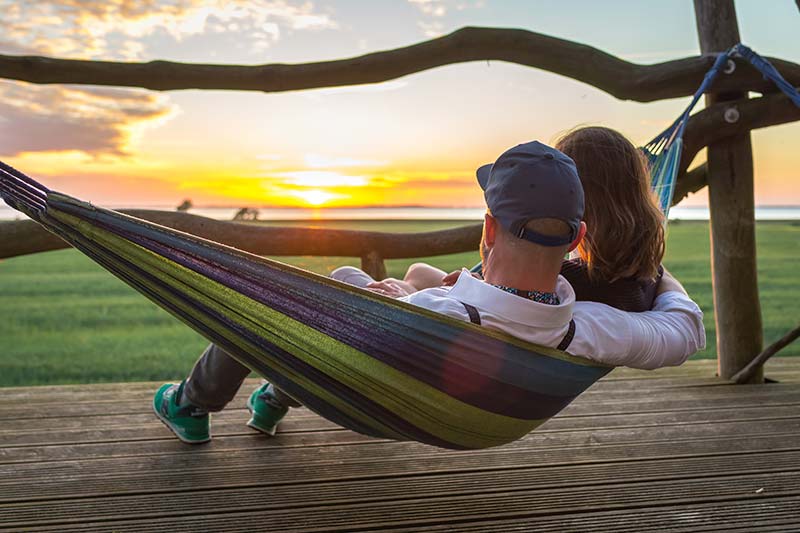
x: 665, y: 336
x: 668, y: 334
x: 436, y: 300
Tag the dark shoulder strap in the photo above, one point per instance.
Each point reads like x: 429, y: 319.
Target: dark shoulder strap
x: 474, y: 316
x: 567, y: 340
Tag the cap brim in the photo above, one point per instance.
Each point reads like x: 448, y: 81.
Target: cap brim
x: 483, y: 175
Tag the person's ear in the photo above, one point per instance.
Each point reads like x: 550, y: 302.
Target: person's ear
x: 579, y: 238
x: 489, y: 230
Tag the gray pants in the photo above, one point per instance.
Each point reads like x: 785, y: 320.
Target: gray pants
x: 216, y: 377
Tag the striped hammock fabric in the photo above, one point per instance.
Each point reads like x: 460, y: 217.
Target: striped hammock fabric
x: 367, y: 362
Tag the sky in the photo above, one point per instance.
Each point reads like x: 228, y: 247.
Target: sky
x: 416, y: 140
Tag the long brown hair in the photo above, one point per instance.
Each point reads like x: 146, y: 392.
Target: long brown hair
x: 625, y: 231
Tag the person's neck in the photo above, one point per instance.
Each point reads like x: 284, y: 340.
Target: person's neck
x: 524, y: 279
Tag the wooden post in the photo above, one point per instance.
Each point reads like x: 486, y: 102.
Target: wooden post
x: 731, y: 202
x: 373, y: 264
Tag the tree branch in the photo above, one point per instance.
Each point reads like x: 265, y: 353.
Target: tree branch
x: 690, y: 182
x: 744, y: 375
x: 709, y: 125
x: 23, y: 237
x: 622, y: 79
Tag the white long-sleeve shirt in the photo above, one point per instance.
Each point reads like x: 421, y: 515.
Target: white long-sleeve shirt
x: 664, y: 336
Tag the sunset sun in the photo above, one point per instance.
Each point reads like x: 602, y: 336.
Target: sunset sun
x: 315, y: 197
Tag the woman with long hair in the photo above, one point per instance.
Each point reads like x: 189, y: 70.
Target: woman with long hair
x: 619, y: 260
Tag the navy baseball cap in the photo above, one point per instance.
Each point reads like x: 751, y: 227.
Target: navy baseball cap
x: 530, y: 181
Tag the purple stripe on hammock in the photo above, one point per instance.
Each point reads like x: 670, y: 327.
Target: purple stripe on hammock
x: 350, y: 396
x: 519, y: 404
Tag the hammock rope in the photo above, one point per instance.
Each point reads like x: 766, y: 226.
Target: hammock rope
x: 664, y: 151
x: 364, y: 361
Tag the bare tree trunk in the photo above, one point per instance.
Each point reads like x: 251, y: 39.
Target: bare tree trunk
x: 620, y: 78
x: 731, y: 202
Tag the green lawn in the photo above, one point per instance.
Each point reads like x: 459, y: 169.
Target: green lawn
x: 65, y: 320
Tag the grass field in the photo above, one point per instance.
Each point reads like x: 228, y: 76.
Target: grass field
x: 65, y: 320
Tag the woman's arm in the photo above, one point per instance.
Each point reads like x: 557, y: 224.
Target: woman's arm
x: 424, y: 276
x: 668, y: 283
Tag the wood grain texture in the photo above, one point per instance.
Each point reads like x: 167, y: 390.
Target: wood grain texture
x: 737, y: 310
x: 745, y: 375
x: 638, y: 451
x: 620, y: 78
x: 23, y: 237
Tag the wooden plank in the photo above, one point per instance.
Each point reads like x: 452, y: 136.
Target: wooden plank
x: 119, y: 429
x: 336, y: 439
x: 625, y: 444
x: 348, y: 462
x: 228, y: 416
x: 701, y: 368
x: 620, y: 400
x: 543, y: 476
x: 769, y: 514
x: 508, y: 485
x: 234, y: 511
x: 299, y: 492
x: 144, y: 391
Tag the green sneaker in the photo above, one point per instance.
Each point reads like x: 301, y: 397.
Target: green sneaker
x: 266, y: 410
x: 189, y: 424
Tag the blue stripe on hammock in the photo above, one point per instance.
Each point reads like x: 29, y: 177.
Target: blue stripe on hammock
x: 111, y: 262
x: 423, y: 356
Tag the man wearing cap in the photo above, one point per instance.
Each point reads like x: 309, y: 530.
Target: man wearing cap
x: 535, y: 209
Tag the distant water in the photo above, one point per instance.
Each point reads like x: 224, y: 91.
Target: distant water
x: 419, y: 213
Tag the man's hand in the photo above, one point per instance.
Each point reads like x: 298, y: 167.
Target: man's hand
x: 393, y: 288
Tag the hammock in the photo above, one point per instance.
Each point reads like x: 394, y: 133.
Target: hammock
x: 369, y: 363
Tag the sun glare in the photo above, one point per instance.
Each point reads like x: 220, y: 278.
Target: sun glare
x: 315, y: 197
x: 322, y: 178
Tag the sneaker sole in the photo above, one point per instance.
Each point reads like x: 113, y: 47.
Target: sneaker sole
x: 169, y: 427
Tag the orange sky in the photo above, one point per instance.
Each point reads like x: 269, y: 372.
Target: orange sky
x: 412, y: 141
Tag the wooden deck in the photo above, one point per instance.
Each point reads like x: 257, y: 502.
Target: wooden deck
x: 675, y: 450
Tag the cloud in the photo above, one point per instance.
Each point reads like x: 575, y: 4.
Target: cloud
x: 67, y: 118
x: 117, y: 29
x: 105, y: 121
x: 439, y: 8
x: 431, y: 29
x: 435, y: 10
